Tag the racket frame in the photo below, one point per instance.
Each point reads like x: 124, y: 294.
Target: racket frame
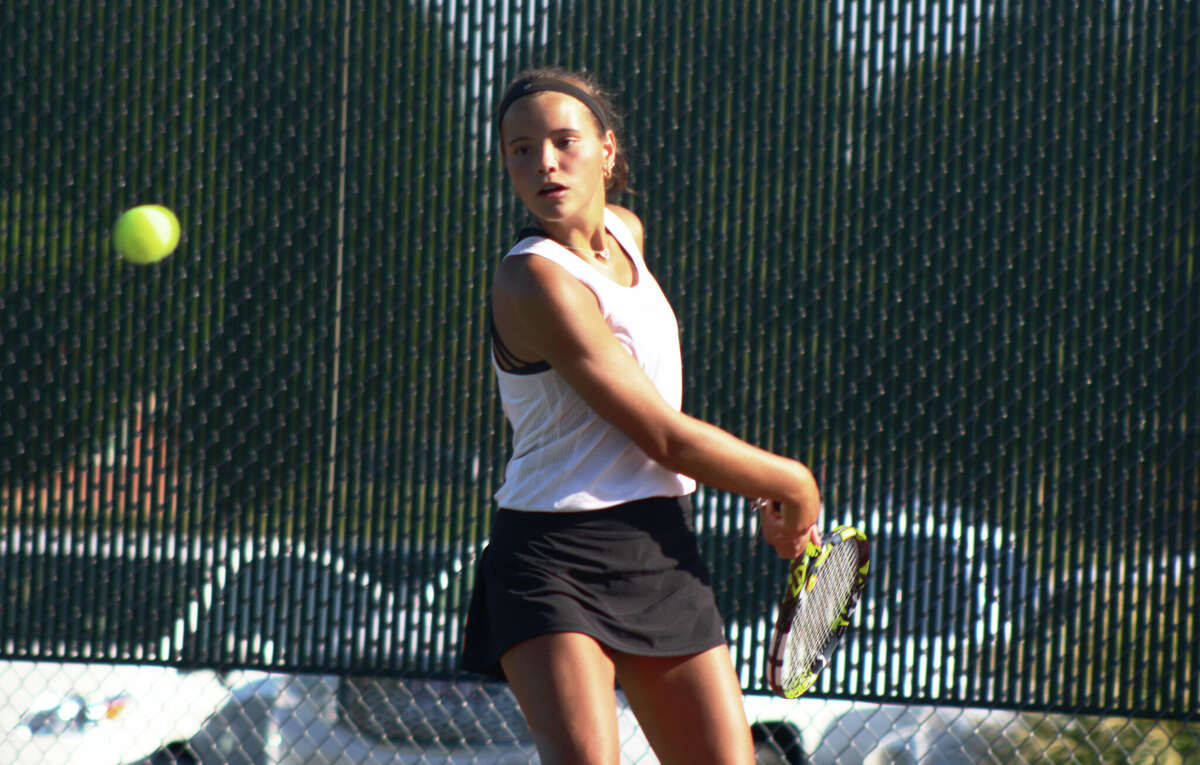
x: 802, y: 575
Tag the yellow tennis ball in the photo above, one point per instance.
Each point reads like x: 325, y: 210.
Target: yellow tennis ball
x: 146, y: 234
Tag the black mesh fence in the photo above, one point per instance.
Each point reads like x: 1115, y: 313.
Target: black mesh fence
x: 944, y: 252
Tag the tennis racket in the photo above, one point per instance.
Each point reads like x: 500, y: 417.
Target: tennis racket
x: 822, y: 590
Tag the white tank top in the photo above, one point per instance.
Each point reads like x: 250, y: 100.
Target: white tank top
x: 565, y: 457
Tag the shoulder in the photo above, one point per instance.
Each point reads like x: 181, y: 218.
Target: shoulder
x: 525, y: 281
x: 541, y: 310
x: 632, y: 222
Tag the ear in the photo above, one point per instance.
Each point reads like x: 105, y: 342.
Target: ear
x: 609, y: 147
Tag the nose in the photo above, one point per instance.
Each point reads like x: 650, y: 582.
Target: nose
x: 549, y: 159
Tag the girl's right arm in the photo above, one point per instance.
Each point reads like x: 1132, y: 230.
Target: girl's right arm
x: 544, y: 313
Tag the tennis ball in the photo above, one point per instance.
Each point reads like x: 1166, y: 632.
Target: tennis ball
x: 146, y: 234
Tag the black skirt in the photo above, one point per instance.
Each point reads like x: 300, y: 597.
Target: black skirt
x: 629, y: 576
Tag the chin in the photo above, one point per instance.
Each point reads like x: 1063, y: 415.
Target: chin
x: 551, y: 210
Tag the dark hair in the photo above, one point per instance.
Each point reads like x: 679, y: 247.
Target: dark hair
x: 598, y: 100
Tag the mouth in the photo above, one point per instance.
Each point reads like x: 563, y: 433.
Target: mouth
x: 552, y: 190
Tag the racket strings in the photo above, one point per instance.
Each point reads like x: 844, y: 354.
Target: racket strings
x: 815, y: 621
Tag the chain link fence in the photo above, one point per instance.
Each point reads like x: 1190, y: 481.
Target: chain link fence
x: 945, y: 252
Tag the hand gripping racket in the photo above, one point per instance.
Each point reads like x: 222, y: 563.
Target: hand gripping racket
x: 822, y: 590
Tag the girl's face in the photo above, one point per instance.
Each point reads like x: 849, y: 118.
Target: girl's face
x: 556, y: 156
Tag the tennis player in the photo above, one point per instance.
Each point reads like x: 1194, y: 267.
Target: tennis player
x: 592, y: 575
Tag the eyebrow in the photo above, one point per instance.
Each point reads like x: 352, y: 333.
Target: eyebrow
x: 557, y: 131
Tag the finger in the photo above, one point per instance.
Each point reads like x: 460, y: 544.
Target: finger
x: 813, y: 535
x: 789, y: 545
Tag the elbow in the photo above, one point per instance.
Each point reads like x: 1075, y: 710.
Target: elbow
x: 680, y: 454
x: 664, y: 447
x: 662, y: 451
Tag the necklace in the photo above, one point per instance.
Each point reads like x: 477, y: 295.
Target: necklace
x: 600, y: 255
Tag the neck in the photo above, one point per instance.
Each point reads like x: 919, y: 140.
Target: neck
x: 588, y: 239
